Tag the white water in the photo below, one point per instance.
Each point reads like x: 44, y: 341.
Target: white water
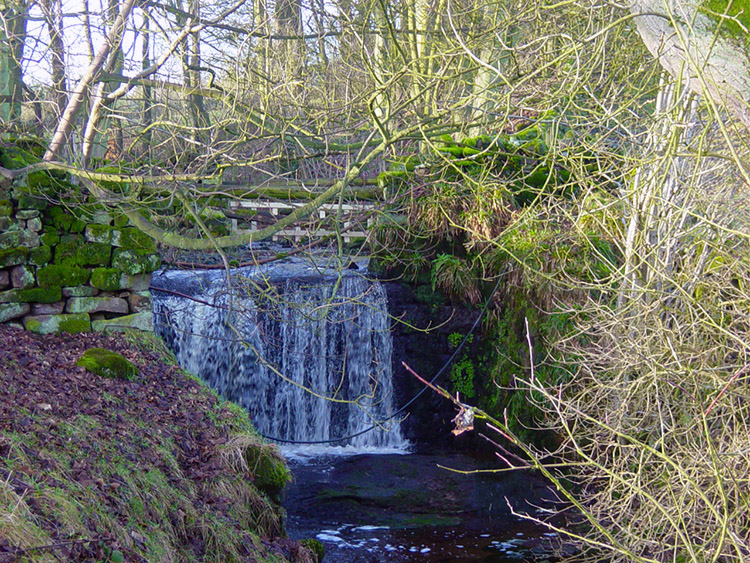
x: 311, y: 362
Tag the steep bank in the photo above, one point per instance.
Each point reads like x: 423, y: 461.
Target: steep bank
x: 151, y: 469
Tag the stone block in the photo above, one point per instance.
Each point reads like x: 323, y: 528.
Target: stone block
x: 100, y: 233
x: 15, y: 239
x: 101, y: 217
x: 47, y: 308
x: 132, y: 238
x: 96, y: 305
x: 22, y: 277
x: 40, y: 255
x: 6, y: 208
x: 49, y: 276
x: 10, y: 311
x: 13, y: 256
x: 4, y: 279
x: 80, y: 291
x: 6, y: 223
x: 140, y: 282
x: 135, y: 261
x: 139, y: 302
x: 38, y: 295
x: 27, y: 214
x: 108, y: 279
x: 26, y: 201
x: 47, y: 324
x: 140, y: 321
x: 34, y: 225
x: 77, y: 252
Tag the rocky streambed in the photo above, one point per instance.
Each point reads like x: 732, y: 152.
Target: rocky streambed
x: 399, y: 508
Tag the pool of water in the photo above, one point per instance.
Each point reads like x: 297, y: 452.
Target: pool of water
x: 401, y: 508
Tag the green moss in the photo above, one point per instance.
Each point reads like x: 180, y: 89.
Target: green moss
x: 26, y: 201
x: 6, y: 208
x: 316, y: 548
x: 76, y: 252
x: 50, y: 238
x: 94, y: 254
x: 121, y: 220
x: 66, y: 252
x: 62, y: 276
x: 13, y: 256
x: 269, y: 470
x: 60, y: 219
x: 135, y: 239
x: 77, y: 226
x: 51, y: 294
x: 75, y: 323
x: 736, y: 25
x: 106, y: 363
x: 40, y: 255
x: 107, y: 279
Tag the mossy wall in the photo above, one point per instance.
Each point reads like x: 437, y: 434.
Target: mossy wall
x: 72, y: 269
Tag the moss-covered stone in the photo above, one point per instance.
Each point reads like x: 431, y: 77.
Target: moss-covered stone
x: 22, y: 276
x: 13, y: 256
x: 134, y: 239
x: 60, y: 219
x: 80, y: 291
x: 34, y: 225
x: 57, y: 275
x: 77, y: 226
x: 26, y: 201
x: 77, y: 252
x: 10, y: 311
x: 316, y: 548
x: 6, y: 208
x: 107, y: 279
x: 39, y: 295
x: 96, y: 305
x: 40, y: 255
x: 106, y: 363
x: 25, y: 238
x: 135, y: 261
x: 101, y: 217
x: 143, y: 321
x: 94, y: 254
x: 48, y: 324
x: 268, y: 468
x: 67, y: 251
x: 27, y: 214
x: 50, y: 238
x: 99, y: 233
x: 121, y: 220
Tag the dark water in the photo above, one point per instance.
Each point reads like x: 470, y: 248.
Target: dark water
x: 401, y: 508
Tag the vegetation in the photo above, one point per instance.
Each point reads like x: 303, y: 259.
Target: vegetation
x: 592, y: 157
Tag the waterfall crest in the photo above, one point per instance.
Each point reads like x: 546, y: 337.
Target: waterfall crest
x: 308, y: 357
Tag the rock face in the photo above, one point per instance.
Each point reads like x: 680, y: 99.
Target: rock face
x: 414, y: 309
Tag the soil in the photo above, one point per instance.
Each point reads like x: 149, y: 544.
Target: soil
x: 42, y: 389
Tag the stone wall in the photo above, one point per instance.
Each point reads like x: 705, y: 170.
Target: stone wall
x: 72, y: 269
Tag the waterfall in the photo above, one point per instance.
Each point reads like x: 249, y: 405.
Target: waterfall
x: 309, y: 356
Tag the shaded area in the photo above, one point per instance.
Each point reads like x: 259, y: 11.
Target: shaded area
x: 406, y: 508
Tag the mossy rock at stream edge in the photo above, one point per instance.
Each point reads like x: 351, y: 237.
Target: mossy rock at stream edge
x: 106, y: 363
x: 268, y: 468
x: 316, y: 548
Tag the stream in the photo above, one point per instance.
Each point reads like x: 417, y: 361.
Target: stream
x: 410, y: 507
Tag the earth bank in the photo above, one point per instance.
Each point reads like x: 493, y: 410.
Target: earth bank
x: 156, y: 468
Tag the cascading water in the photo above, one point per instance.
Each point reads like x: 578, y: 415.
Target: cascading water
x: 308, y: 356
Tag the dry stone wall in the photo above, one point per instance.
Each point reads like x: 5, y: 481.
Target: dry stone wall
x: 72, y: 269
